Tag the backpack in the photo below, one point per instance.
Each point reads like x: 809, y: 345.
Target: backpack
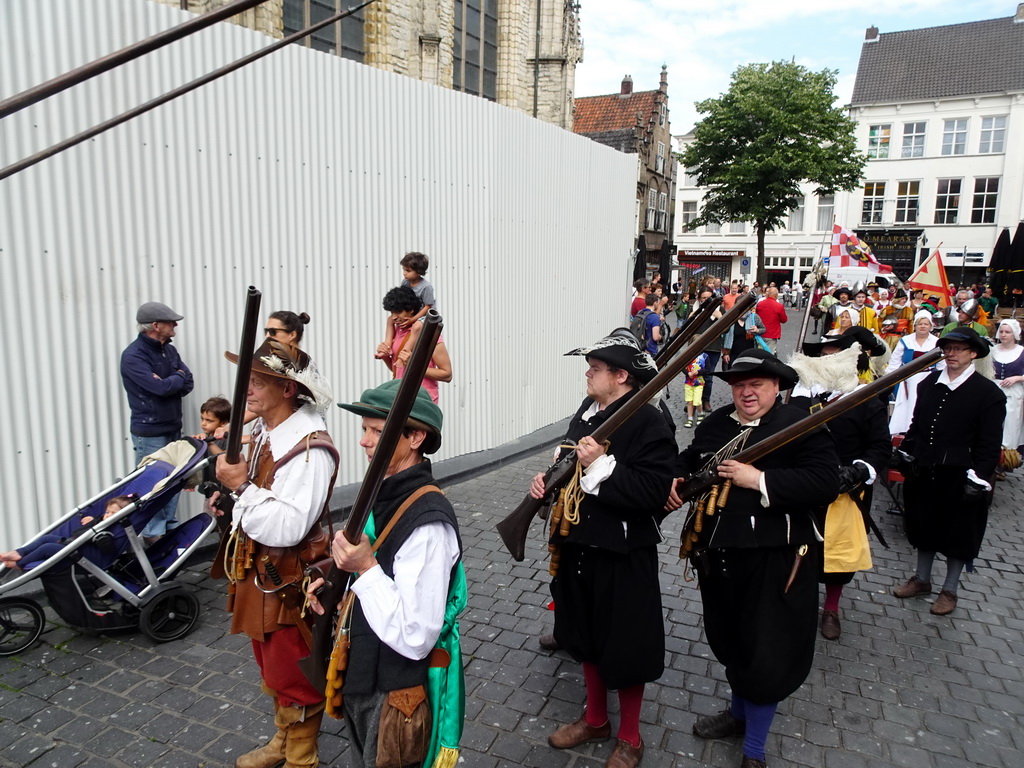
x: 638, y: 325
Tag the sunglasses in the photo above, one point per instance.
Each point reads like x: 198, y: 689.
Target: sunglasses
x: 273, y: 331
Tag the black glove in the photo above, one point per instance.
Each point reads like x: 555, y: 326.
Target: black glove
x: 973, y: 491
x: 903, y: 463
x: 851, y: 476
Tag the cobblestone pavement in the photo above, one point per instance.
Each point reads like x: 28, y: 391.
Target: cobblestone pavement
x: 900, y: 688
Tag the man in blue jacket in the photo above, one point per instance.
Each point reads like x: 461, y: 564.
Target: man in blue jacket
x: 155, y: 380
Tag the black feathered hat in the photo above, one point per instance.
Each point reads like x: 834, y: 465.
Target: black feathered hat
x: 620, y: 349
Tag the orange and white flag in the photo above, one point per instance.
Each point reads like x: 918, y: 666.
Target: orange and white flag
x: 931, y: 278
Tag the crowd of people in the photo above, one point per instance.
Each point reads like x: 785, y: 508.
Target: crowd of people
x: 760, y: 535
x: 801, y: 515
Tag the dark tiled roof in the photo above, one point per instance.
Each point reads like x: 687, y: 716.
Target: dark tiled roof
x: 956, y: 60
x: 601, y: 114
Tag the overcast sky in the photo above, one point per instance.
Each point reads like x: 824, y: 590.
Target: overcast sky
x: 704, y: 41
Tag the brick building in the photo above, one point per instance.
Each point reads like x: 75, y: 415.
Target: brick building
x: 519, y: 53
x: 637, y: 122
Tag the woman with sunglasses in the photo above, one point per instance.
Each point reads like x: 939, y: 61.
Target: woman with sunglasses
x: 286, y: 327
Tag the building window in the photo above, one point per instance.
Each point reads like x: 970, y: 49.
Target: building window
x: 826, y: 212
x: 913, y: 140
x: 652, y: 209
x: 689, y: 212
x: 689, y: 177
x: 954, y: 137
x: 299, y: 14
x: 986, y: 194
x: 662, y: 221
x: 993, y: 134
x: 878, y: 141
x: 908, y: 197
x: 713, y: 228
x: 947, y: 201
x: 737, y: 227
x: 662, y: 114
x: 475, y: 48
x: 659, y: 160
x: 874, y: 203
x: 796, y: 217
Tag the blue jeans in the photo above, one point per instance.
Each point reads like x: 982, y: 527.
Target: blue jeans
x: 165, y: 519
x: 713, y: 356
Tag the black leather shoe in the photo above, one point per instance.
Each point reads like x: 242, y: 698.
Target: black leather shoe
x: 548, y: 643
x: 830, y: 627
x: 719, y: 726
x: 753, y: 762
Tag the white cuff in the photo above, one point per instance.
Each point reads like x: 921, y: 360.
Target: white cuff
x: 871, y: 471
x: 977, y: 480
x: 761, y: 486
x: 599, y: 471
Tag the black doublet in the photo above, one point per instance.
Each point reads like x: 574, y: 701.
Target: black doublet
x: 373, y: 665
x: 607, y: 592
x: 763, y: 634
x: 952, y: 432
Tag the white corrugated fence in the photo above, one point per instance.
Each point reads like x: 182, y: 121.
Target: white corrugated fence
x: 308, y: 176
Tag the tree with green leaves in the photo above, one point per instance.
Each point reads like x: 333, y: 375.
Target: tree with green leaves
x: 776, y: 127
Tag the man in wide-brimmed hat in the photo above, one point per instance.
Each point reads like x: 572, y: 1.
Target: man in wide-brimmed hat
x: 607, y: 595
x: 281, y: 496
x: 760, y: 552
x: 409, y: 594
x: 951, y: 452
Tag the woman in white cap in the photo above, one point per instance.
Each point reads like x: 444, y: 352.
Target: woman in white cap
x: 908, y: 348
x: 1008, y: 361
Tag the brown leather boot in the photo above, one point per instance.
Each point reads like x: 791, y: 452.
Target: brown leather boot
x: 300, y: 747
x: 271, y: 755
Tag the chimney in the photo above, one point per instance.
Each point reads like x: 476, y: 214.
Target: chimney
x: 627, y: 86
x: 664, y: 79
x: 871, y: 35
x: 1019, y: 18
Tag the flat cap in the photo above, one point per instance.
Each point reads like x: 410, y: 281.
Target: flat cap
x: 155, y: 312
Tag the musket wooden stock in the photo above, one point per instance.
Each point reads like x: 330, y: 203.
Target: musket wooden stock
x: 701, y: 482
x: 686, y: 331
x: 514, y: 528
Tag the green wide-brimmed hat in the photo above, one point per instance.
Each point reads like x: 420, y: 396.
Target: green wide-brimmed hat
x: 376, y: 403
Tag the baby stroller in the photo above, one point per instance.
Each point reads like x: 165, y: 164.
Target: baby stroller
x: 102, y: 576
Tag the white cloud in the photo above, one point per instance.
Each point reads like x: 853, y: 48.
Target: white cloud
x: 703, y: 41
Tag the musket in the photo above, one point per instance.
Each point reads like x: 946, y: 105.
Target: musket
x: 315, y: 666
x: 698, y: 484
x: 514, y: 528
x: 236, y: 424
x: 687, y: 331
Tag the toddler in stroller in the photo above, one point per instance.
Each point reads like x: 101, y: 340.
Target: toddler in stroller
x: 97, y: 571
x: 44, y: 546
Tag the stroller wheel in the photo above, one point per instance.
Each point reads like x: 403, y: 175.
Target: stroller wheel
x: 169, y: 613
x: 21, y: 622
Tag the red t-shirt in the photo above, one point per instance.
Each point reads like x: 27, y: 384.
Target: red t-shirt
x: 773, y: 314
x: 638, y: 303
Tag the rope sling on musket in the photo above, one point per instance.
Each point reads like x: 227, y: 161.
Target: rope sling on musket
x: 708, y: 503
x: 565, y: 512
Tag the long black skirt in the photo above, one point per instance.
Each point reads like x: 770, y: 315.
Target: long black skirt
x: 938, y: 518
x: 608, y: 612
x: 762, y: 634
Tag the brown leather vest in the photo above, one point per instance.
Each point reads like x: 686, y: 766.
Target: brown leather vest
x: 256, y: 613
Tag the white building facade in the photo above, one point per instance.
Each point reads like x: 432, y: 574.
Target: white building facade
x: 940, y: 114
